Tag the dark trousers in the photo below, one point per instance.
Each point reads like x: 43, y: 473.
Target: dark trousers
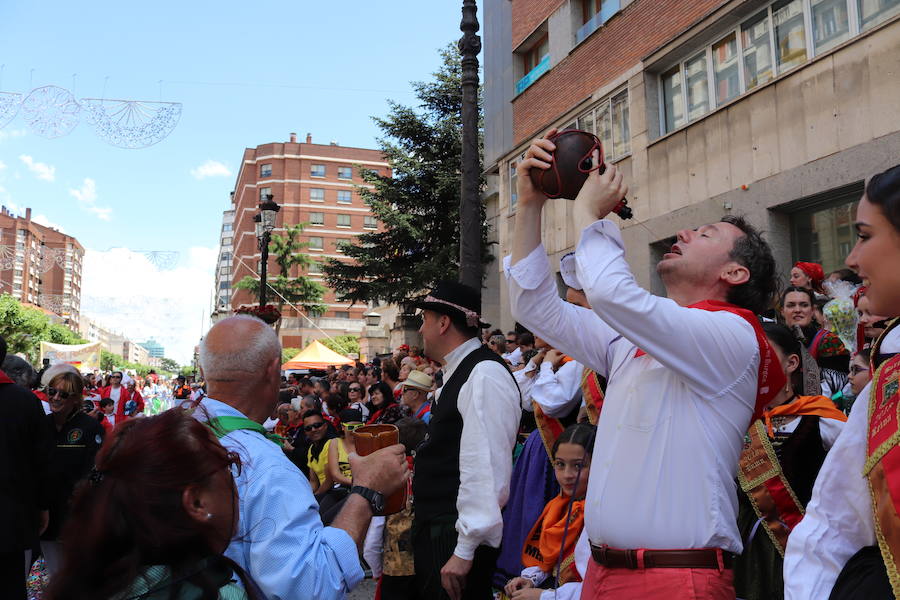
x: 398, y: 587
x: 433, y: 545
x: 12, y: 575
x: 863, y: 578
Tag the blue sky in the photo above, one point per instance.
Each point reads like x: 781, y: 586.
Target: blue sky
x: 246, y: 73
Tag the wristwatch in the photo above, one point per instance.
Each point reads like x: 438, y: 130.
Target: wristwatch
x: 375, y: 499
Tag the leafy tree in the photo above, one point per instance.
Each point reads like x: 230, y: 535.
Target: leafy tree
x: 342, y: 344
x: 418, y: 205
x: 24, y: 328
x: 300, y: 290
x: 169, y: 365
x: 108, y: 360
x: 288, y: 353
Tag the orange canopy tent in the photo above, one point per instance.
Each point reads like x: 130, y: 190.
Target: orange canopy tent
x: 316, y: 356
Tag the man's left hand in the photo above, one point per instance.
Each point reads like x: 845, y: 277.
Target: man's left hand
x: 601, y: 193
x: 453, y: 576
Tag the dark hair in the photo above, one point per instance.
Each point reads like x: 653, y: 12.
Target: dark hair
x: 389, y: 368
x: 386, y: 392
x: 350, y: 415
x: 3, y: 348
x: 19, y: 370
x: 305, y: 381
x: 865, y: 354
x: 752, y: 251
x: 412, y: 432
x: 313, y: 413
x: 106, y: 402
x: 514, y: 334
x: 783, y: 337
x: 461, y: 324
x: 129, y: 514
x: 883, y: 190
x: 801, y: 290
x: 847, y: 275
x: 581, y: 434
x: 317, y: 404
x: 526, y: 339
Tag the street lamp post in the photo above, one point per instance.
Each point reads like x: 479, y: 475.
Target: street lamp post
x: 470, y: 270
x: 265, y: 224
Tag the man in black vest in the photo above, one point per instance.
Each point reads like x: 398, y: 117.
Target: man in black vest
x: 462, y: 470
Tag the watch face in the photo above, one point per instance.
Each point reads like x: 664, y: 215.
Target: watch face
x: 378, y: 504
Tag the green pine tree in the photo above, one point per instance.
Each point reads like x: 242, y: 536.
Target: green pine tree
x: 418, y: 205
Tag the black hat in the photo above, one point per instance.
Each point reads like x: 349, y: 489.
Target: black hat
x: 454, y: 299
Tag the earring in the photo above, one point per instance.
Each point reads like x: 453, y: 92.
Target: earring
x: 208, y: 516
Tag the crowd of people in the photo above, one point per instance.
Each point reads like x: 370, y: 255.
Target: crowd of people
x: 614, y: 444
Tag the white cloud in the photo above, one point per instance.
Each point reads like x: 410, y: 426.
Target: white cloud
x: 43, y: 220
x: 40, y: 170
x: 2, y: 165
x: 11, y: 133
x: 211, y: 168
x: 87, y: 200
x: 127, y: 292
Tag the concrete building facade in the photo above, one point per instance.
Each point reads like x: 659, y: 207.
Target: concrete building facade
x: 221, y: 302
x: 778, y: 111
x: 314, y: 184
x: 41, y: 266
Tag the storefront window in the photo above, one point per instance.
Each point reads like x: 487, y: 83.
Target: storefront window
x: 825, y: 235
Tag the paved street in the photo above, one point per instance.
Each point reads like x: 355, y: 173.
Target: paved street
x: 364, y: 591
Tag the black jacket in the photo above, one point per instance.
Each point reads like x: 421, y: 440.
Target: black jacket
x: 25, y: 445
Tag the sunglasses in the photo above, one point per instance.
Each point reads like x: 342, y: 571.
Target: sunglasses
x: 313, y: 426
x: 353, y: 426
x: 355, y: 389
x: 64, y: 395
x: 115, y: 377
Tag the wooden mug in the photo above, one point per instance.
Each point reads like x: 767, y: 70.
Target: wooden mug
x: 370, y: 438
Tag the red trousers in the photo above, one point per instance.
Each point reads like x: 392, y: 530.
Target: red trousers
x: 665, y: 584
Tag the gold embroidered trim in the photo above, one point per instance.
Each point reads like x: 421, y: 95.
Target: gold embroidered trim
x: 892, y: 441
x: 886, y: 555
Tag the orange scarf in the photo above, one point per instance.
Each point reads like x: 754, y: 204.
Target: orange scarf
x: 818, y: 406
x: 543, y: 544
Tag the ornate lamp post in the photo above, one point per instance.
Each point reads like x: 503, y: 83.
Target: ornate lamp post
x: 469, y: 201
x: 265, y: 224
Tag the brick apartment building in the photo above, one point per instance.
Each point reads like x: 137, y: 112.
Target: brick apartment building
x: 312, y: 183
x: 774, y: 110
x: 41, y: 266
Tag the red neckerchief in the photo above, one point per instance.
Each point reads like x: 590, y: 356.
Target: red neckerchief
x: 4, y: 378
x: 771, y: 377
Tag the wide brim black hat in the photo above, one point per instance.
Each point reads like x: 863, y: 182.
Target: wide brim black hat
x: 454, y: 299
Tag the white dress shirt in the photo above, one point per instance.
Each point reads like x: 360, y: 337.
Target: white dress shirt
x: 489, y: 405
x: 567, y: 591
x: 525, y: 378
x: 673, y: 421
x: 558, y: 391
x: 838, y: 520
x: 514, y: 357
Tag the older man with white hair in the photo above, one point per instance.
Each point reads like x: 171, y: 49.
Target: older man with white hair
x: 281, y: 541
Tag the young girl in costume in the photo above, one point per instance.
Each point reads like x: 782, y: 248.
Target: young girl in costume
x: 549, y: 552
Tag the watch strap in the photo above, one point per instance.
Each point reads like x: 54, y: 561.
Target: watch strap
x: 375, y: 499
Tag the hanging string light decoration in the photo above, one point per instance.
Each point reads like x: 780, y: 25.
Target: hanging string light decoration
x: 52, y: 302
x: 165, y: 260
x: 49, y: 258
x: 131, y: 123
x: 9, y: 106
x: 7, y: 257
x: 51, y: 111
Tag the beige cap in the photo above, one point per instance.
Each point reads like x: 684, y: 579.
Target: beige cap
x: 419, y: 381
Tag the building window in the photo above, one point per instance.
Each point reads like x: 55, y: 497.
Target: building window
x: 265, y: 170
x: 609, y: 121
x: 316, y: 195
x: 340, y: 244
x: 345, y: 173
x: 224, y: 285
x: 317, y: 170
x: 535, y: 62
x: 315, y: 243
x: 343, y: 220
x: 226, y: 241
x: 369, y: 222
x: 316, y: 218
x: 315, y: 268
x: 342, y: 314
x: 825, y: 234
x: 225, y: 270
x: 227, y: 227
x: 781, y: 37
x: 594, y: 13
x: 263, y: 192
x: 226, y: 256
x: 344, y: 197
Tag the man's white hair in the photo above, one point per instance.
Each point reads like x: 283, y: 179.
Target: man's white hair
x: 250, y: 355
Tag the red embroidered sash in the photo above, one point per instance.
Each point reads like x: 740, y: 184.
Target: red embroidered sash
x: 761, y: 478
x: 551, y: 428
x: 882, y: 468
x: 4, y: 378
x: 770, y: 377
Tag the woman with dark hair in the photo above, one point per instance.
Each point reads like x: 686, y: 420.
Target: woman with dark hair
x: 77, y: 437
x: 791, y: 440
x: 798, y: 306
x: 150, y: 524
x: 385, y: 408
x: 845, y: 546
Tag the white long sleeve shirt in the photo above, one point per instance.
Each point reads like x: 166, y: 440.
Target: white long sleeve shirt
x: 525, y: 378
x: 673, y: 422
x: 489, y: 404
x: 838, y: 520
x: 567, y: 591
x: 558, y: 391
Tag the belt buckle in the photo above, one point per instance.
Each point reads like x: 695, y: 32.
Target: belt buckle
x: 631, y: 561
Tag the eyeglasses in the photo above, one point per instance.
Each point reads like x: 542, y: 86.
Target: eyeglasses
x: 856, y: 369
x: 313, y: 426
x: 64, y: 395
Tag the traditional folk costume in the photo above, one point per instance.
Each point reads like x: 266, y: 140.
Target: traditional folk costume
x: 846, y: 546
x: 463, y: 468
x: 121, y: 396
x: 776, y: 474
x: 684, y: 383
